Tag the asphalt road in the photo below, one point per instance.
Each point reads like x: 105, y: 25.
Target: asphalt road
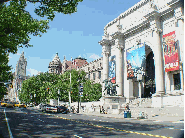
x: 16, y: 122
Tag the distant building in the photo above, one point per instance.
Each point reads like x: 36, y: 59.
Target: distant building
x: 93, y: 69
x: 56, y: 66
x: 19, y: 76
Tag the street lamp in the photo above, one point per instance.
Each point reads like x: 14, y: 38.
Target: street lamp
x: 58, y: 95
x: 139, y: 79
x: 35, y: 98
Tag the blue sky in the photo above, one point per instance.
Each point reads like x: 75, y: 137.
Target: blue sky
x: 72, y: 35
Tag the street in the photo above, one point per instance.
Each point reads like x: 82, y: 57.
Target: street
x: 30, y: 123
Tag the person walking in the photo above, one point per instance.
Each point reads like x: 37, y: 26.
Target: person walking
x: 103, y: 110
x: 100, y: 109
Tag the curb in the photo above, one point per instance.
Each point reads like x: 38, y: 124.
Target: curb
x: 132, y: 118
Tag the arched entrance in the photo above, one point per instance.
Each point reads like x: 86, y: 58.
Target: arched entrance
x: 149, y: 79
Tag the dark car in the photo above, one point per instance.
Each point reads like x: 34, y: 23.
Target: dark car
x: 62, y: 109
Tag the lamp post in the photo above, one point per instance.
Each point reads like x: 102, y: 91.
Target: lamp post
x: 139, y: 79
x: 70, y: 94
x: 58, y: 95
x: 35, y: 98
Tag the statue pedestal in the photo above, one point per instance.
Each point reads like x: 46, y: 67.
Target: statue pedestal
x: 112, y: 104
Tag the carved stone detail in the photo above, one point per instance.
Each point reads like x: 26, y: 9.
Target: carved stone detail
x: 106, y: 50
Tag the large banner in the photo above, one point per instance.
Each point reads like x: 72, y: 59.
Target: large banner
x: 112, y: 68
x: 171, y: 58
x: 136, y: 61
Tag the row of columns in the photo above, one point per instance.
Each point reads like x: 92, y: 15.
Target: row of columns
x: 118, y: 39
x: 156, y: 46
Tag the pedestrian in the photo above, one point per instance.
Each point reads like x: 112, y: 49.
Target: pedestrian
x: 103, y: 110
x: 127, y: 107
x: 73, y: 109
x: 92, y: 106
x: 100, y: 109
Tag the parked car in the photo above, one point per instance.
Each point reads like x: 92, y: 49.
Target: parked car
x: 43, y: 107
x: 21, y: 105
x: 15, y: 104
x: 30, y: 105
x: 62, y: 109
x: 9, y: 105
x: 3, y: 104
x: 50, y: 108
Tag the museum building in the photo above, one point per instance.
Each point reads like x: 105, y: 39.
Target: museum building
x: 143, y: 52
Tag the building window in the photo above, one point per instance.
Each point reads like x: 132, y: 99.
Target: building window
x: 100, y: 64
x: 88, y: 68
x: 89, y: 76
x: 51, y: 70
x: 93, y: 67
x: 94, y: 76
x: 99, y: 74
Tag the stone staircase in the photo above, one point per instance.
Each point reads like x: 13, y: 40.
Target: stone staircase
x: 139, y: 105
x: 144, y: 105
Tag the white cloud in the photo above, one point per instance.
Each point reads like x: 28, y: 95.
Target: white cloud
x: 94, y: 56
x: 32, y: 71
x: 19, y: 54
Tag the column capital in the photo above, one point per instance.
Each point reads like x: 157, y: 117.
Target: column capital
x: 117, y: 35
x: 104, y: 42
x: 157, y: 30
x: 118, y: 39
x: 106, y: 50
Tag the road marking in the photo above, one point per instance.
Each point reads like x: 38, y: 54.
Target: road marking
x: 181, y: 129
x: 171, y: 128
x: 10, y: 133
x: 77, y: 136
x: 114, y: 129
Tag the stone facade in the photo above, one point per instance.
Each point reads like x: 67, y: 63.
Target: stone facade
x: 94, y: 70
x: 145, y: 23
x: 19, y: 77
x: 56, y: 66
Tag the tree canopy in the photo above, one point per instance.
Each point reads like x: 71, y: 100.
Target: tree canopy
x: 16, y: 26
x: 46, y: 86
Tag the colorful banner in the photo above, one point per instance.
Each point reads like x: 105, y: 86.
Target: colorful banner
x: 136, y: 61
x: 112, y: 68
x: 171, y: 58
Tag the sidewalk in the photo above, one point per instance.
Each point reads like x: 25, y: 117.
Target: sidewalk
x: 170, y: 114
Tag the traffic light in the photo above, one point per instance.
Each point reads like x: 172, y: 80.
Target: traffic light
x: 48, y: 89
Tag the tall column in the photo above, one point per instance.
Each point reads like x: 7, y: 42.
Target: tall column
x: 181, y: 52
x: 105, y: 70
x: 106, y: 53
x: 168, y: 86
x: 119, y: 65
x: 159, y: 69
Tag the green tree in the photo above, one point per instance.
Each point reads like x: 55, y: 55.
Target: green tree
x: 16, y: 26
x: 91, y: 91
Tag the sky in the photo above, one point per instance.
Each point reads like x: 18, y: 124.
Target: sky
x: 72, y: 35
